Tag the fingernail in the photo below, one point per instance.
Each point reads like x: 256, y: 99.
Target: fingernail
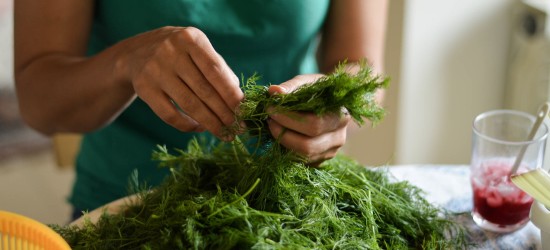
x: 277, y: 89
x: 242, y: 124
x: 200, y: 129
x: 242, y: 127
x: 227, y: 138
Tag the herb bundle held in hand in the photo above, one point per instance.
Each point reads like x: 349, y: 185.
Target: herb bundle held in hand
x: 225, y: 196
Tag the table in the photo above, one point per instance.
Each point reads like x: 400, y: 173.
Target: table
x: 449, y: 186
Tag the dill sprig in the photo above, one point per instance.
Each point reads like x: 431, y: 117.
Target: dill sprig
x: 225, y: 196
x: 335, y: 93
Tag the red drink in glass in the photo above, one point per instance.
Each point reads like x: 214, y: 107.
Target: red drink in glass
x: 499, y: 138
x: 497, y: 201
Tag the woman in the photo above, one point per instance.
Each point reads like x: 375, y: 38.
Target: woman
x: 131, y: 74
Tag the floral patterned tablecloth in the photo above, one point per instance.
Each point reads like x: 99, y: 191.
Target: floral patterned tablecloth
x: 449, y: 187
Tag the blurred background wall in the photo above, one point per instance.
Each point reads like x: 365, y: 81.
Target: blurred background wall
x: 449, y: 61
x: 453, y: 67
x: 5, y: 43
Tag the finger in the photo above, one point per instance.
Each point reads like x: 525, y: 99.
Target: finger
x: 313, y: 148
x: 193, y: 106
x: 153, y: 85
x: 213, y: 67
x: 293, y: 84
x: 317, y: 160
x: 166, y: 111
x: 161, y: 104
x: 199, y: 128
x: 310, y: 124
x: 188, y: 72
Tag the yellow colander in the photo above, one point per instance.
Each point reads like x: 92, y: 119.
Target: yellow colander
x: 20, y: 232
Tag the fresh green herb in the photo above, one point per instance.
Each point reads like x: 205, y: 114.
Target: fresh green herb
x: 335, y: 93
x: 227, y: 197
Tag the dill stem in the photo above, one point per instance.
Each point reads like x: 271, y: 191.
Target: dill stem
x: 173, y: 174
x: 235, y: 201
x: 233, y: 145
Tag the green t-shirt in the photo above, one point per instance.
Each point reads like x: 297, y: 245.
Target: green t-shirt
x: 274, y: 38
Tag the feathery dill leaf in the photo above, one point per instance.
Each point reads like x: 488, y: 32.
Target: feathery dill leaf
x: 355, y: 93
x: 226, y: 197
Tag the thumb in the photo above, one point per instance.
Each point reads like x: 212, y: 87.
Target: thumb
x: 293, y: 84
x: 277, y: 89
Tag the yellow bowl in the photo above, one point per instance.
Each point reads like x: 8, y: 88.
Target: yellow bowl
x: 20, y: 232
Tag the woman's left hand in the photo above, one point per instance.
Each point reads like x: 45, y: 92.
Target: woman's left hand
x: 318, y: 138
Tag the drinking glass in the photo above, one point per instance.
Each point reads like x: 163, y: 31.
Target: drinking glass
x: 498, y: 138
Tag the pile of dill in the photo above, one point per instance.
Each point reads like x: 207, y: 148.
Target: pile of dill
x: 227, y: 196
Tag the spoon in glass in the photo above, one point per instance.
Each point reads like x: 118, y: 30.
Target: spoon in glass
x: 535, y: 182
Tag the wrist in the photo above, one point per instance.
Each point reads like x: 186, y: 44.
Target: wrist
x: 120, y: 70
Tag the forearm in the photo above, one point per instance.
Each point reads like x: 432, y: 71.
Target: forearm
x: 355, y: 30
x: 62, y: 93
x: 174, y: 70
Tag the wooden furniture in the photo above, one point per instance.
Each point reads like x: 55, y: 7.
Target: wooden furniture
x: 66, y: 147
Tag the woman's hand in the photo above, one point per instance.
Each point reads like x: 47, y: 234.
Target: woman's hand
x: 177, y: 72
x: 317, y: 138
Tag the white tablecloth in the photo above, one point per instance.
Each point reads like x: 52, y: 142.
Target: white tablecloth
x: 449, y: 186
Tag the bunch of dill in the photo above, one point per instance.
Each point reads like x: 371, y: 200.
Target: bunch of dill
x: 224, y: 196
x: 336, y: 93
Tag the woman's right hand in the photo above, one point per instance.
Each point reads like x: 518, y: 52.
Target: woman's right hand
x: 177, y: 72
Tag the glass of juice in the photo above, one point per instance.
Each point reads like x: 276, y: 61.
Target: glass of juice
x: 498, y: 138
